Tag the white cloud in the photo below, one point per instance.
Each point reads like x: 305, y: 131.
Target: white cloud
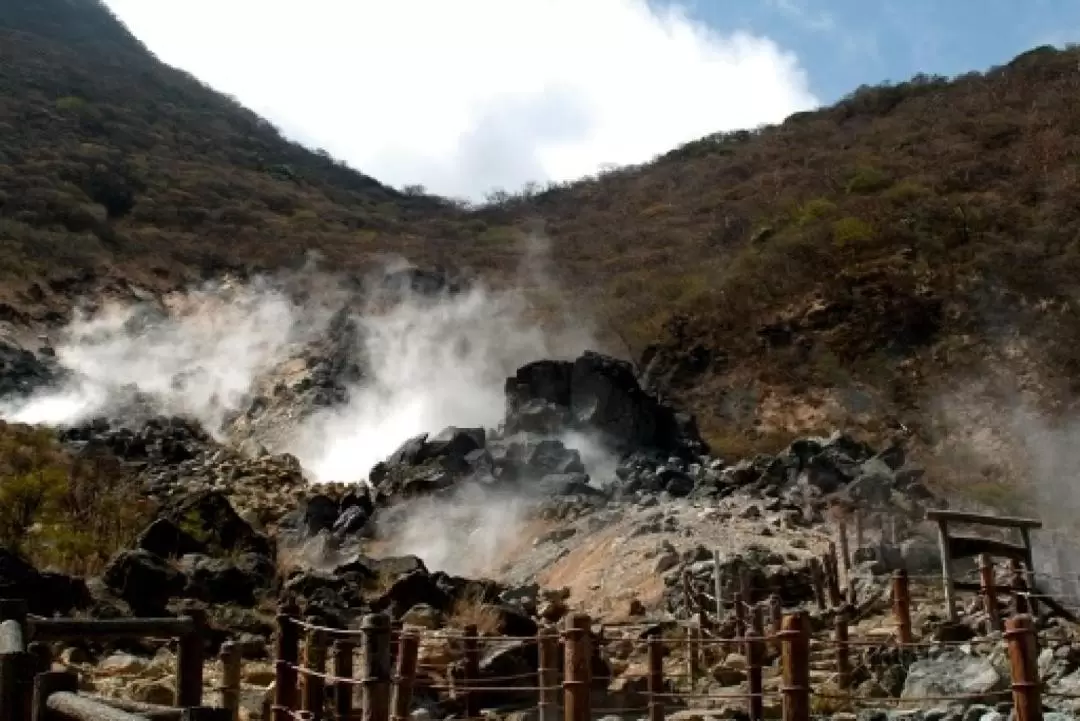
x: 468, y: 95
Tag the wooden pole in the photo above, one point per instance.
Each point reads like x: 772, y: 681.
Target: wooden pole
x: 989, y: 592
x: 946, y: 568
x: 1021, y: 603
x: 547, y: 642
x: 655, y: 679
x: 718, y: 587
x: 343, y: 669
x: 577, y: 681
x: 45, y: 685
x: 693, y: 645
x: 15, y: 673
x: 860, y: 535
x: 405, y: 675
x: 230, y: 679
x: 795, y: 664
x: 845, y: 550
x: 1029, y: 566
x: 843, y: 650
x: 189, y: 662
x: 832, y: 576
x: 740, y: 607
x: 376, y: 671
x: 757, y: 625
x: 1024, y: 668
x: 755, y: 659
x: 472, y: 670
x: 1032, y: 587
x: 287, y: 658
x: 901, y: 603
x: 817, y: 578
x: 776, y: 619
x: 313, y: 696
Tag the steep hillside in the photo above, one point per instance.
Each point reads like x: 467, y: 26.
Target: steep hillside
x: 853, y: 266
x: 110, y: 157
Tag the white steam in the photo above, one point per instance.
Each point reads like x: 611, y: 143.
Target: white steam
x: 428, y: 362
x: 432, y: 363
x: 195, y: 354
x: 467, y: 533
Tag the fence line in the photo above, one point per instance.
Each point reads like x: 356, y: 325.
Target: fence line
x: 316, y: 678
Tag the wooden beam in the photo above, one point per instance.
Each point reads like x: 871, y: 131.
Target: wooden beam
x: 986, y: 519
x: 968, y: 546
x: 946, y: 567
x: 62, y: 629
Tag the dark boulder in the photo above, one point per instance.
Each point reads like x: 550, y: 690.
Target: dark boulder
x: 600, y: 394
x: 45, y: 593
x: 412, y: 589
x: 144, y: 580
x: 164, y: 538
x: 239, y: 580
x: 314, y: 515
x: 210, y: 518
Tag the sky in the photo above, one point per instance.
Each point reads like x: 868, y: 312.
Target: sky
x: 465, y: 97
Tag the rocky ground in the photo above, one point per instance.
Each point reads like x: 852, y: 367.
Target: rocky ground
x: 507, y: 527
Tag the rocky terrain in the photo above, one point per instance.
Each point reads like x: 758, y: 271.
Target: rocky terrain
x: 840, y: 311
x: 514, y: 531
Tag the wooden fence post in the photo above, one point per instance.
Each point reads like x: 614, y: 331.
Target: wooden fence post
x: 230, y: 679
x: 1021, y: 603
x: 832, y: 576
x: 843, y: 650
x: 901, y: 603
x: 795, y: 665
x: 776, y: 619
x: 755, y: 659
x: 45, y: 685
x: 189, y: 662
x: 313, y: 698
x: 577, y: 683
x: 1024, y: 668
x: 817, y: 579
x: 989, y: 592
x: 655, y: 680
x: 718, y: 587
x: 547, y: 643
x: 693, y: 646
x: 472, y: 670
x: 343, y: 669
x: 375, y: 674
x: 287, y: 657
x: 740, y: 608
x: 404, y: 676
x: 845, y: 549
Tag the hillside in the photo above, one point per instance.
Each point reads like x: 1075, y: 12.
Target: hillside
x: 852, y: 266
x: 111, y: 158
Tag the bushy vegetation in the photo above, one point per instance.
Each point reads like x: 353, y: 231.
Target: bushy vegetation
x: 873, y: 248
x: 60, y: 511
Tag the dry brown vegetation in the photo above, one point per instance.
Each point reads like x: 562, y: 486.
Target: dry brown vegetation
x: 61, y: 511
x: 839, y: 268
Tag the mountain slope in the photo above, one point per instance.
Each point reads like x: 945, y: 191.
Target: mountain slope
x: 109, y: 155
x: 858, y: 265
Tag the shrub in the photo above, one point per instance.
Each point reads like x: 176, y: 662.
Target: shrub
x: 63, y: 512
x: 813, y: 210
x: 851, y: 231
x: 867, y: 179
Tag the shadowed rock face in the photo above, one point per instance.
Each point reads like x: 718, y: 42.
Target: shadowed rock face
x: 599, y: 394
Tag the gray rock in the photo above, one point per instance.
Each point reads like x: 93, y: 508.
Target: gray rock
x: 954, y: 674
